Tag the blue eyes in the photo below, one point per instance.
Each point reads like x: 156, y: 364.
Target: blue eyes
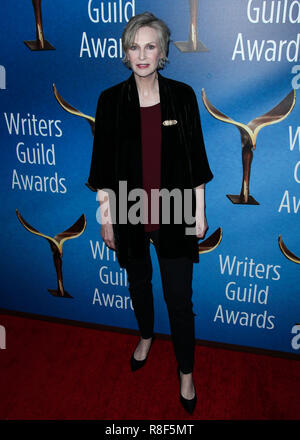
x: 150, y: 46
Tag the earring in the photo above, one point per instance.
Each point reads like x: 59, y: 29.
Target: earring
x: 162, y: 62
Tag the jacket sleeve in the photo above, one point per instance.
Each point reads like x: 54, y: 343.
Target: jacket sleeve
x: 201, y: 172
x: 102, y: 163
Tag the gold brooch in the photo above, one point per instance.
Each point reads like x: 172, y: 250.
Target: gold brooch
x: 170, y: 122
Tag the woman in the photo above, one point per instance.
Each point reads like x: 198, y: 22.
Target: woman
x: 148, y: 136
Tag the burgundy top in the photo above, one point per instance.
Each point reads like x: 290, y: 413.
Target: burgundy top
x: 151, y: 147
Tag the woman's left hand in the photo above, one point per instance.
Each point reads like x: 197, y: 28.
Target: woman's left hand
x: 201, y: 223
x: 201, y: 226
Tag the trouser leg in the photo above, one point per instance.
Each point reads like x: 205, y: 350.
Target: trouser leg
x: 177, y: 277
x: 139, y: 273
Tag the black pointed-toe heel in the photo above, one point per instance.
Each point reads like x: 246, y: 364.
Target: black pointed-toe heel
x: 135, y: 364
x: 188, y: 404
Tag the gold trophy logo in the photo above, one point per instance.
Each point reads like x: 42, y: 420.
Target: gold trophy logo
x: 211, y: 243
x: 40, y: 43
x: 286, y: 252
x: 56, y: 244
x: 248, y: 138
x: 68, y: 108
x: 193, y: 44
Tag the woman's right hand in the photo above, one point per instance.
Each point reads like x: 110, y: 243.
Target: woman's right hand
x: 107, y: 234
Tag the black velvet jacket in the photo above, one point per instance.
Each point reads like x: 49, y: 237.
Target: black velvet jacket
x: 117, y: 156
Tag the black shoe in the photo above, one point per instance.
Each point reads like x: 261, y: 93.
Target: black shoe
x: 135, y: 364
x: 188, y: 404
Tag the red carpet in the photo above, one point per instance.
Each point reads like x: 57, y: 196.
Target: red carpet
x: 56, y: 371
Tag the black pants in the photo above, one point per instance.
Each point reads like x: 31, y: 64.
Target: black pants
x: 176, y: 276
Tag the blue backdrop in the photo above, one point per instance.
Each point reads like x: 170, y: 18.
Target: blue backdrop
x: 246, y: 292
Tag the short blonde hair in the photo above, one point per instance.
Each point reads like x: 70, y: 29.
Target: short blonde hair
x: 142, y: 20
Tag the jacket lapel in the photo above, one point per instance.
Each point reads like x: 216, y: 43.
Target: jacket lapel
x: 129, y: 135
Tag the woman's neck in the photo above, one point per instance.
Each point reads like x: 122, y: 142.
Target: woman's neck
x: 148, y: 89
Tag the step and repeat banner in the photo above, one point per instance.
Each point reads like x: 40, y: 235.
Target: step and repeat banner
x: 242, y: 57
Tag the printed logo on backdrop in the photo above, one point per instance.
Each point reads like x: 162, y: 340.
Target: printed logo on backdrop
x: 39, y: 43
x: 108, y: 275
x: 270, y: 49
x: 72, y: 110
x: 239, y: 292
x: 248, y: 286
x: 193, y: 44
x: 105, y: 12
x: 2, y: 78
x: 56, y: 245
x: 290, y: 203
x: 36, y: 154
x: 286, y: 252
x: 248, y: 134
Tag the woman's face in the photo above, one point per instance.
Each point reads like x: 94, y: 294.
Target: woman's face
x: 145, y: 52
